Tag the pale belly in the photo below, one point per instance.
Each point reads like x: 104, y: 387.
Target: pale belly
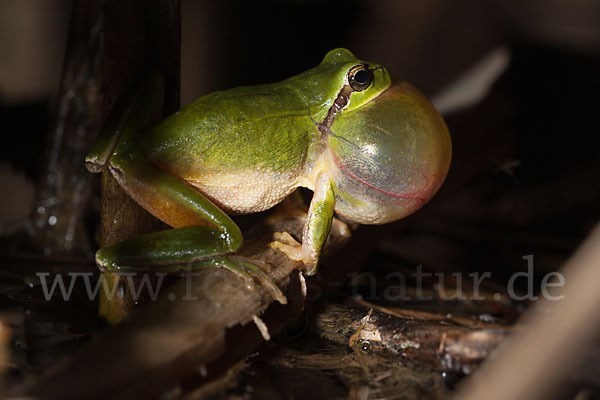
x: 248, y: 192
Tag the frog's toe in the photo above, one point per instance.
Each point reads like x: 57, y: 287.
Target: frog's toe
x: 247, y: 269
x: 285, y: 243
x: 285, y: 238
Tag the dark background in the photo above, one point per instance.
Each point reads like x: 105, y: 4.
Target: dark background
x: 525, y: 168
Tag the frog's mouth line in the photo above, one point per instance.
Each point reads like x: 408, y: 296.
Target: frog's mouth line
x: 414, y: 195
x: 341, y: 101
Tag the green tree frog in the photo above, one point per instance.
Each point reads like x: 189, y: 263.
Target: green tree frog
x: 372, y: 151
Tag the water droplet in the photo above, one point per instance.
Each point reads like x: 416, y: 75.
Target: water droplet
x: 486, y: 317
x: 203, y: 371
x: 41, y: 210
x: 121, y: 290
x: 52, y: 220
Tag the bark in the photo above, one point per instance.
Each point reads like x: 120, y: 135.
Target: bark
x: 138, y: 36
x: 411, y: 338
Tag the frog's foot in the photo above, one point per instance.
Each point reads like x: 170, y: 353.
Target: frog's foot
x: 178, y: 251
x: 248, y: 270
x: 285, y: 243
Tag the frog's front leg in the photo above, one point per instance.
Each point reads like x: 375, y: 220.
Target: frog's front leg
x: 316, y: 229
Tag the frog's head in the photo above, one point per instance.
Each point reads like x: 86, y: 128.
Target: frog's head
x: 388, y: 149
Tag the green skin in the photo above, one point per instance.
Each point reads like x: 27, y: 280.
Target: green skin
x: 373, y: 154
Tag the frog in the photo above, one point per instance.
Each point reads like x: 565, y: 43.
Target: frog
x: 371, y: 149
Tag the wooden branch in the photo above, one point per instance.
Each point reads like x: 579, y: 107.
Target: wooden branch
x: 139, y: 36
x: 167, y: 341
x: 414, y: 339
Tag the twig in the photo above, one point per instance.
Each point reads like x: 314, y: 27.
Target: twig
x: 555, y: 333
x: 421, y: 339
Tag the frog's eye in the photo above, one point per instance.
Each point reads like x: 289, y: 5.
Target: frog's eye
x: 359, y: 78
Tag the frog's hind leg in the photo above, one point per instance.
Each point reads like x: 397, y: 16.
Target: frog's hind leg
x: 181, y: 251
x: 171, y: 199
x: 204, y: 235
x: 166, y: 251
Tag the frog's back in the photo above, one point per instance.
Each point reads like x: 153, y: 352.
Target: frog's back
x: 245, y: 148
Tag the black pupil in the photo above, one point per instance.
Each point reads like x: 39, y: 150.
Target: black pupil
x: 361, y: 76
